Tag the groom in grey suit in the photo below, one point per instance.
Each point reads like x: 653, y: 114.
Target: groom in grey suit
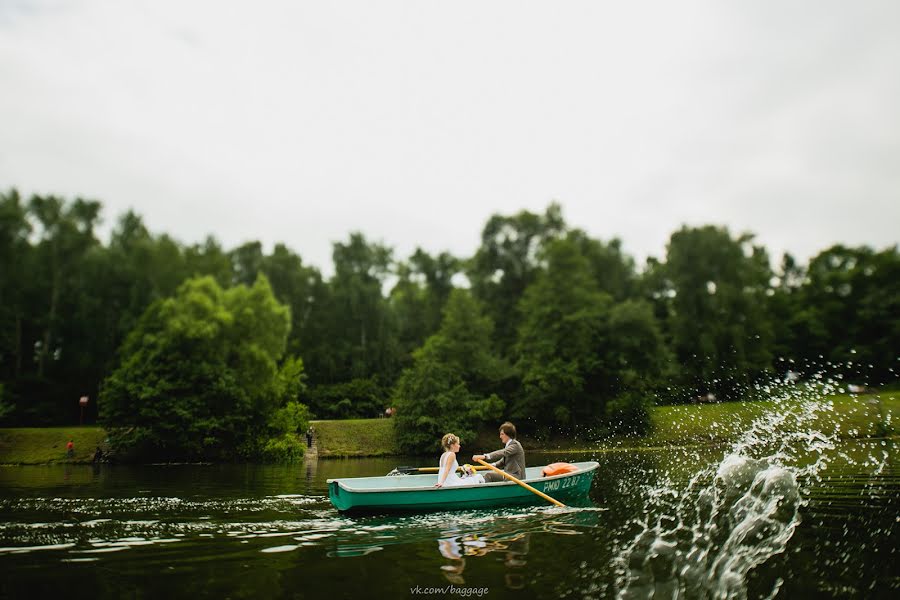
x: 510, y: 458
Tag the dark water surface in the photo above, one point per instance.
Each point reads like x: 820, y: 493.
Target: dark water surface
x: 663, y: 524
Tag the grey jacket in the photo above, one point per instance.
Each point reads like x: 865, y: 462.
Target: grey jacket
x: 511, y: 459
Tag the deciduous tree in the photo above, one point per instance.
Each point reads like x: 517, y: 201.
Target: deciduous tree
x: 199, y: 374
x: 452, y: 383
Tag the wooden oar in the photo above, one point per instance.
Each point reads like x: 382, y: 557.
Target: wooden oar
x: 407, y: 470
x: 522, y: 483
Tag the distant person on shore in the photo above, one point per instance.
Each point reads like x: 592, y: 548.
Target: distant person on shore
x: 309, y: 436
x: 510, y: 458
x: 447, y: 476
x: 70, y: 449
x: 98, y: 455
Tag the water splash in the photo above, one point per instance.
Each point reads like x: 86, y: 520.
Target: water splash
x: 733, y: 515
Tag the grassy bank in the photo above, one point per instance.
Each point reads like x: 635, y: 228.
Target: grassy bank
x: 848, y: 417
x: 355, y: 437
x: 43, y: 445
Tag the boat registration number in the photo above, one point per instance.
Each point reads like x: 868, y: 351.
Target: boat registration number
x: 561, y: 484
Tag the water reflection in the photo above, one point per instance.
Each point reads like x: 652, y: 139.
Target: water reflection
x: 465, y: 539
x: 311, y: 466
x: 457, y: 548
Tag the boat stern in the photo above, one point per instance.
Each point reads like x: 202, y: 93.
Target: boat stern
x: 341, y: 499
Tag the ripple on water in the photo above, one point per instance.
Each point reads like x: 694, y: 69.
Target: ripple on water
x: 138, y: 523
x: 107, y: 525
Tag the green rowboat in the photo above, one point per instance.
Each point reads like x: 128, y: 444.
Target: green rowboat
x: 418, y: 493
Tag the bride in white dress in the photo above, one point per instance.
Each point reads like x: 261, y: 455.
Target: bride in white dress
x: 447, y: 476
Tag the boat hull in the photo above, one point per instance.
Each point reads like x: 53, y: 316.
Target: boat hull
x: 418, y: 493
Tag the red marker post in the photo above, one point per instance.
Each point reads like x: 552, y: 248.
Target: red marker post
x: 83, y: 402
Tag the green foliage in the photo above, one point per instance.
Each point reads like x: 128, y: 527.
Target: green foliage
x: 437, y: 272
x: 283, y: 448
x: 464, y: 344
x: 506, y: 264
x: 451, y: 384
x: 209, y: 258
x: 612, y: 269
x: 577, y: 349
x: 291, y: 418
x: 634, y: 349
x: 301, y: 288
x: 409, y: 302
x: 6, y: 407
x: 849, y: 311
x: 359, y: 330
x: 60, y: 326
x: 629, y: 414
x: 280, y: 441
x: 199, y: 375
x: 290, y: 380
x: 357, y: 398
x: 562, y: 317
x: 65, y: 237
x: 562, y: 314
x: 16, y: 258
x: 418, y: 298
x: 713, y: 291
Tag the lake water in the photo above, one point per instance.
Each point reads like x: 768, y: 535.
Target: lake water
x: 775, y: 515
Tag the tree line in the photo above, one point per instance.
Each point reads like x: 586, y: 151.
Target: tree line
x: 189, y: 347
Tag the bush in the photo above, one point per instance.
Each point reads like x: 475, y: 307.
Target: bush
x: 283, y: 443
x: 200, y: 378
x: 290, y: 419
x: 283, y: 448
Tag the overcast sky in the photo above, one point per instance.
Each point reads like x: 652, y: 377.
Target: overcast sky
x: 414, y: 121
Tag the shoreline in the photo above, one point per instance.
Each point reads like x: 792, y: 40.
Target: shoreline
x: 600, y: 450
x: 865, y: 416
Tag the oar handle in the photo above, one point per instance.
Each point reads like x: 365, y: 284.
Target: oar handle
x: 430, y: 469
x: 522, y: 483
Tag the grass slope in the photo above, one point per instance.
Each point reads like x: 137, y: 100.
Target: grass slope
x: 848, y: 416
x: 355, y: 437
x: 42, y: 445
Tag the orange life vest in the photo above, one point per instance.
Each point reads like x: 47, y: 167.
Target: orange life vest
x: 558, y: 469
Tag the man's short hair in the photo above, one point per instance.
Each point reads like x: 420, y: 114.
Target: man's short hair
x: 509, y: 429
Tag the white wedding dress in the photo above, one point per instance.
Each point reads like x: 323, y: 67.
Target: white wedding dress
x: 453, y: 479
